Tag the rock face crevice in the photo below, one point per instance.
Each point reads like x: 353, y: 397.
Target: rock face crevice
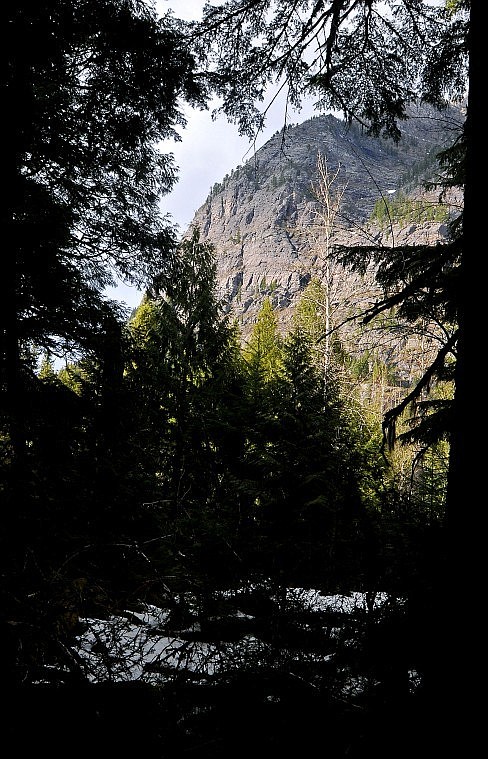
x: 262, y: 219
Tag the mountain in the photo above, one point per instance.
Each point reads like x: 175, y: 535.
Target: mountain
x: 262, y: 218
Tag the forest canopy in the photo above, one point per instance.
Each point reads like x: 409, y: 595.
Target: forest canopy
x: 169, y: 458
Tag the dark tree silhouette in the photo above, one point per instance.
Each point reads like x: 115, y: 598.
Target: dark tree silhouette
x: 90, y: 89
x: 370, y: 60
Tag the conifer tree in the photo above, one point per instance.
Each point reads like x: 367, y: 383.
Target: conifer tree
x: 371, y: 61
x: 263, y: 349
x: 184, y: 379
x: 91, y: 89
x: 303, y: 471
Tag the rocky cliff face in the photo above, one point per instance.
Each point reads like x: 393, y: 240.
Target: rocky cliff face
x: 263, y: 218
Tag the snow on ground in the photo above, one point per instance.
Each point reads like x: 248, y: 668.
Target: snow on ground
x: 345, y: 604
x: 143, y: 646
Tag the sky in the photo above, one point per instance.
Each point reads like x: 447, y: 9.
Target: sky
x: 207, y: 152
x: 211, y: 149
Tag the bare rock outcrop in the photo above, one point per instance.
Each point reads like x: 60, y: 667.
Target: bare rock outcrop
x: 262, y: 218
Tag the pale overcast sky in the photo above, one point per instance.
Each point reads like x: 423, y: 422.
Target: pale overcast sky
x: 211, y: 149
x: 208, y: 151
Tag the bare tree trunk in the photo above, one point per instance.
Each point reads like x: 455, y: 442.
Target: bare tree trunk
x: 329, y: 199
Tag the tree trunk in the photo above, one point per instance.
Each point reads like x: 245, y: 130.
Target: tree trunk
x: 457, y: 626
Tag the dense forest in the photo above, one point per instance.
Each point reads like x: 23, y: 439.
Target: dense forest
x: 161, y: 474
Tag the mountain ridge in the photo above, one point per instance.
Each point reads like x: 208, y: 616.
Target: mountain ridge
x: 259, y: 218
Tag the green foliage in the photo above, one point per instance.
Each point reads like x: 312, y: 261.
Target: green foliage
x: 309, y: 314
x: 184, y: 381
x: 46, y: 369
x: 371, y: 385
x: 263, y: 350
x: 308, y: 477
x: 92, y: 90
x: 101, y: 87
x: 368, y: 74
x: 399, y: 209
x: 165, y: 456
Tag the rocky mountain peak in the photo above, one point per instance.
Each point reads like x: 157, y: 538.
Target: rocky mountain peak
x: 263, y: 217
